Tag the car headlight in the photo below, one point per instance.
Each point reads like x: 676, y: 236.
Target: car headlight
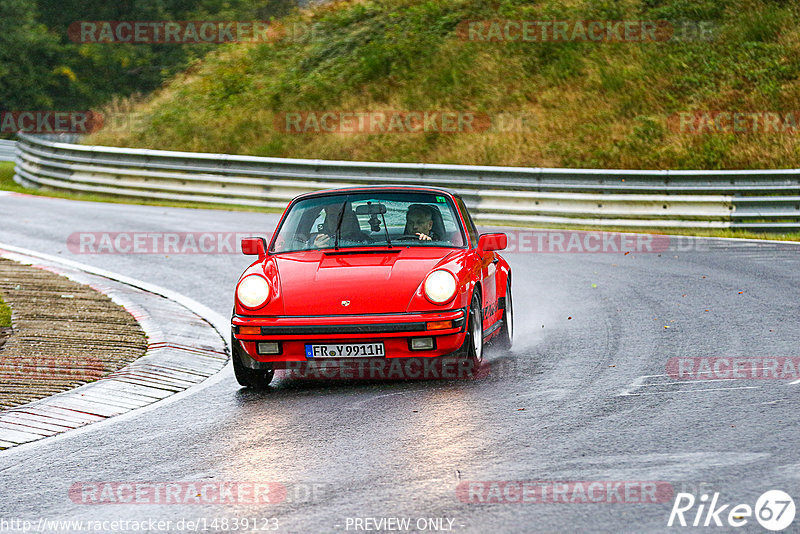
x: 253, y: 291
x: 440, y: 286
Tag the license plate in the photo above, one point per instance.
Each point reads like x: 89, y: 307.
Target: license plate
x: 346, y: 350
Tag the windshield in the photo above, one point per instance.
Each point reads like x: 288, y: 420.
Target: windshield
x: 396, y: 219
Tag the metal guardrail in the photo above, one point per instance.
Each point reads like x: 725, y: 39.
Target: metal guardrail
x: 757, y: 200
x: 8, y: 150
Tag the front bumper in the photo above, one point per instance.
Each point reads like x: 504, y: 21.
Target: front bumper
x: 393, y: 330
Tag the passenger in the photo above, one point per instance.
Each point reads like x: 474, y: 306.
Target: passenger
x: 350, y: 229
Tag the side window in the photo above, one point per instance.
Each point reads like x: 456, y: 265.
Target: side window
x: 318, y: 223
x: 450, y: 225
x: 471, y: 230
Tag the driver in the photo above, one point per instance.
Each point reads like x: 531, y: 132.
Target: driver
x: 419, y: 221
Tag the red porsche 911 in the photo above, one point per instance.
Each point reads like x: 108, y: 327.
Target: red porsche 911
x: 370, y: 276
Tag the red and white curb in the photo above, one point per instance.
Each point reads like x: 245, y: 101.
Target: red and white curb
x: 185, y: 348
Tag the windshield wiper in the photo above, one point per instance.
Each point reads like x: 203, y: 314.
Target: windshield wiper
x: 386, y: 231
x: 339, y: 224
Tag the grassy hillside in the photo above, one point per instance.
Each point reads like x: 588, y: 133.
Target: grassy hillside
x: 587, y: 104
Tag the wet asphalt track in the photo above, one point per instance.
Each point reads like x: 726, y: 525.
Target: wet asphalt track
x: 567, y: 404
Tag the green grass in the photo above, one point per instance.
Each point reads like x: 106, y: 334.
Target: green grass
x: 604, y: 105
x: 587, y: 105
x: 5, y: 313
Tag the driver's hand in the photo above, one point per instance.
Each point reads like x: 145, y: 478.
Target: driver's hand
x: 423, y: 237
x: 322, y: 240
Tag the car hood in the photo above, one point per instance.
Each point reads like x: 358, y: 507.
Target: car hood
x: 320, y: 283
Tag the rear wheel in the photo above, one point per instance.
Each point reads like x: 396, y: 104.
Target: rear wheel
x: 505, y: 338
x: 472, y: 349
x: 249, y: 378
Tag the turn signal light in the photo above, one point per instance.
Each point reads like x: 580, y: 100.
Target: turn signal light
x: 439, y: 325
x: 250, y: 330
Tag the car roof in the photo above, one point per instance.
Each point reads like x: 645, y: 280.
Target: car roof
x: 370, y: 188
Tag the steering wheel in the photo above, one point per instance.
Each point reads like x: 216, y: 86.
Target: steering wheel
x: 408, y: 237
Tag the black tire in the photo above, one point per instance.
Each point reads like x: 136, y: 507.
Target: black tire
x: 249, y: 378
x: 472, y: 349
x: 505, y: 338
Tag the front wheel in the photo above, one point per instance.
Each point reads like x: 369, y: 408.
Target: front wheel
x: 249, y: 378
x: 472, y: 349
x: 505, y: 338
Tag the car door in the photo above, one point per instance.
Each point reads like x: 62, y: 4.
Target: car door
x: 487, y: 262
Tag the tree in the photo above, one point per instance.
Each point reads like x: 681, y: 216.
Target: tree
x: 28, y: 59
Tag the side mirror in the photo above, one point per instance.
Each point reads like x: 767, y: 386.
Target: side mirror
x: 489, y: 242
x: 254, y: 246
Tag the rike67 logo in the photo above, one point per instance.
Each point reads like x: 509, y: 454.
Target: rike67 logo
x: 774, y: 510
